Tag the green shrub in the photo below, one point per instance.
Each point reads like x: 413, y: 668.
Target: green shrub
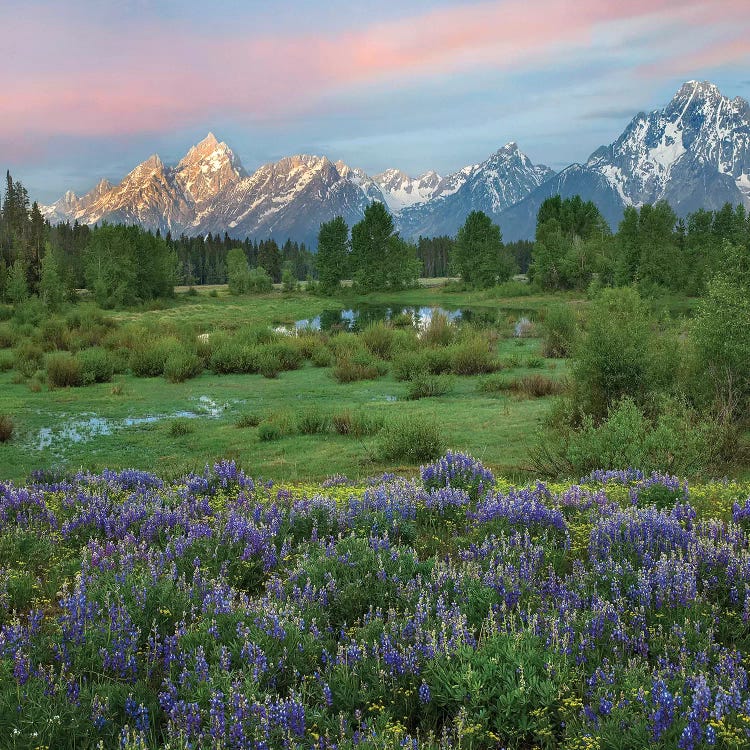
x: 258, y: 281
x: 286, y: 353
x: 408, y: 365
x: 427, y: 386
x: 410, y: 438
x: 54, y: 334
x: 180, y: 427
x: 439, y: 360
x: 6, y: 428
x: 148, y: 359
x: 321, y: 356
x: 229, y: 356
x: 473, y: 357
x: 268, y: 363
x: 345, y: 345
x: 268, y: 431
x: 378, y: 340
x: 248, y: 420
x: 512, y: 362
x: 28, y: 357
x: 559, y: 331
x: 619, y: 356
x: 358, y: 366
x: 6, y: 360
x: 676, y: 440
x: 439, y: 331
x: 538, y: 386
x: 97, y: 365
x: 182, y: 365
x: 63, y: 370
x: 312, y: 422
x: 8, y: 336
x: 495, y: 384
x: 213, y: 293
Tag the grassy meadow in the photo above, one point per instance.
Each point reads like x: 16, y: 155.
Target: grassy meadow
x: 173, y: 427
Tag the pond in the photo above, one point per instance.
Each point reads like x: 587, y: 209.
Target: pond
x: 356, y: 319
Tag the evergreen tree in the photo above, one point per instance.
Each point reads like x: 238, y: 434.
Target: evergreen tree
x: 370, y: 248
x: 17, y: 288
x: 333, y: 254
x: 269, y: 258
x: 51, y: 288
x: 478, y: 252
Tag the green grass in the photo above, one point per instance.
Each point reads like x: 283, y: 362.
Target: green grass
x: 487, y: 426
x: 496, y: 427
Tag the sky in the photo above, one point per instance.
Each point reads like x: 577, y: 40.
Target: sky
x: 91, y: 88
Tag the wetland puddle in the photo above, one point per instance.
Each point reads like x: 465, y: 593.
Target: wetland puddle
x: 89, y: 425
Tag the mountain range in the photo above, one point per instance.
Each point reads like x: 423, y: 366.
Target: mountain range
x: 693, y: 153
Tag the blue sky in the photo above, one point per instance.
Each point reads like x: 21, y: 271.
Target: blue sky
x: 90, y: 89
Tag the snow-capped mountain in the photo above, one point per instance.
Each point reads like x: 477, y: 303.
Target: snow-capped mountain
x: 694, y: 153
x: 289, y: 198
x: 501, y: 181
x: 400, y: 191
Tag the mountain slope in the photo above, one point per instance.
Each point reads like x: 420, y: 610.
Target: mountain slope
x: 694, y: 153
x: 503, y: 180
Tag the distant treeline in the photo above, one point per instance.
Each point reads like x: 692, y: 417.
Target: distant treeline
x: 573, y: 247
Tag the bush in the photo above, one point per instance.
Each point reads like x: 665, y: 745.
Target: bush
x: 559, y: 331
x: 63, y: 370
x: 258, y: 281
x: 268, y: 363
x: 675, y: 440
x: 538, y: 386
x: 439, y: 360
x: 619, y: 356
x: 427, y: 386
x: 6, y: 428
x: 285, y: 353
x: 312, y: 422
x: 356, y: 424
x: 268, y: 431
x: 180, y: 427
x: 181, y: 366
x: 473, y: 357
x: 229, y: 356
x: 8, y: 336
x: 378, y: 340
x: 6, y: 360
x: 495, y: 384
x: 148, y: 360
x: 358, y: 366
x: 54, y: 334
x: 410, y: 438
x: 248, y: 420
x: 439, y: 331
x: 97, y: 365
x: 321, y: 356
x: 408, y: 365
x: 28, y: 358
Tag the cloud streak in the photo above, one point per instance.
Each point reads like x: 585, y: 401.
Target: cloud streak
x: 86, y: 79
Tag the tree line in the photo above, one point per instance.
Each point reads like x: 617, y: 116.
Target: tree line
x: 573, y: 248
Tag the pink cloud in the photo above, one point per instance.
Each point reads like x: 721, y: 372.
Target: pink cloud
x: 88, y: 80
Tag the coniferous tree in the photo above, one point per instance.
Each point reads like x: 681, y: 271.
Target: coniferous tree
x: 370, y: 248
x: 333, y: 251
x: 479, y: 255
x: 17, y: 288
x: 51, y: 287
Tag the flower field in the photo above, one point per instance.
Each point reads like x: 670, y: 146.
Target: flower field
x: 445, y: 610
